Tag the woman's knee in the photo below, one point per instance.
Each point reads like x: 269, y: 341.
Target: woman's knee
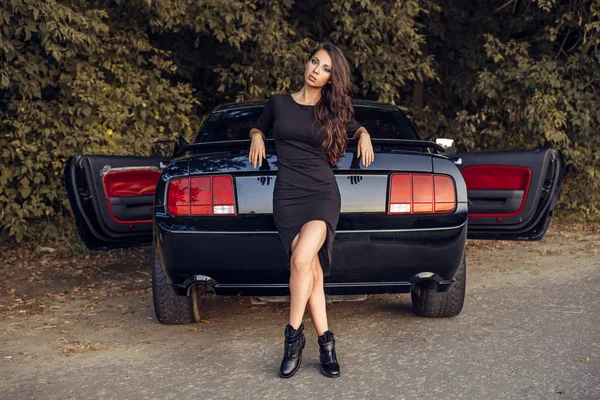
x: 301, y: 261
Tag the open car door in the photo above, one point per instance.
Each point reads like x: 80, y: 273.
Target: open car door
x: 511, y: 193
x: 112, y: 198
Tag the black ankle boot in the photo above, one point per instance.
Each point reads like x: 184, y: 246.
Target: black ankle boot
x: 329, y: 364
x: 292, y: 353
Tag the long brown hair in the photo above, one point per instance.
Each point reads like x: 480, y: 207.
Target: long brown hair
x: 334, y: 110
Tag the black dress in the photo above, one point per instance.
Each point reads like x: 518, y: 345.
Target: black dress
x: 305, y: 188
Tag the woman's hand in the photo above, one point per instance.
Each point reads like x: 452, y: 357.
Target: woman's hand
x: 257, y: 149
x: 365, y: 148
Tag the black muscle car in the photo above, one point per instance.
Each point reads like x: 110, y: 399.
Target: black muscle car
x: 207, y: 212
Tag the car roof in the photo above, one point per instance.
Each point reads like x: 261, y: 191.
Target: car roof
x: 262, y: 102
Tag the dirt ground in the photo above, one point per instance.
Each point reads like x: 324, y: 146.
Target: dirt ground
x: 55, y: 305
x: 71, y: 302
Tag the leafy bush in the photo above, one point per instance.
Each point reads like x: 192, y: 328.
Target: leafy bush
x: 76, y: 79
x: 103, y: 77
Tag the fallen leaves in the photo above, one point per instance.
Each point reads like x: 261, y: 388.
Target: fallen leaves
x: 70, y: 346
x: 46, y: 327
x: 35, y: 281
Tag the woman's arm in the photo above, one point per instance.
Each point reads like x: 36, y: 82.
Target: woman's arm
x: 365, y: 147
x: 359, y: 131
x: 257, y: 131
x: 264, y: 123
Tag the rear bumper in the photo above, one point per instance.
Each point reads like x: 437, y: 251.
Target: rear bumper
x: 330, y: 288
x: 364, y: 262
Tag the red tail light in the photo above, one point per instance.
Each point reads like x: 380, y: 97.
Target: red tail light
x: 178, y: 196
x: 201, y: 195
x: 222, y: 195
x: 421, y: 194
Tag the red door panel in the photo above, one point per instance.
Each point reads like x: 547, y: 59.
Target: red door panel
x: 511, y: 194
x: 129, y: 194
x: 501, y: 189
x: 112, y: 198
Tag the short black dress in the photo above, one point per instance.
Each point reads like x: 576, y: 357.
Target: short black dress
x: 305, y: 188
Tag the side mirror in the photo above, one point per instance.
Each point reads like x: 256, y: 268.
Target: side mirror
x: 448, y: 144
x: 167, y: 148
x: 163, y: 148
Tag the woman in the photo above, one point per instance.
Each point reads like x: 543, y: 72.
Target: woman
x: 310, y: 129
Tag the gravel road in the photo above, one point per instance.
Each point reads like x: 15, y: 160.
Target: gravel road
x: 83, y: 327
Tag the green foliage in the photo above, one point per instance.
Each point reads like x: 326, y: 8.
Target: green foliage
x: 76, y: 79
x: 541, y: 103
x: 383, y: 41
x: 102, y: 77
x: 258, y: 49
x: 265, y: 43
x: 530, y: 86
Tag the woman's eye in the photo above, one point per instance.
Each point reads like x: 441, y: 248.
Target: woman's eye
x: 314, y: 60
x: 326, y: 69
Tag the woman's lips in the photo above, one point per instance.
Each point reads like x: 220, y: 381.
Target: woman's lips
x: 312, y: 78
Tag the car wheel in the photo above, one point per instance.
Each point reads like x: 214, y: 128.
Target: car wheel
x: 426, y: 302
x: 169, y: 307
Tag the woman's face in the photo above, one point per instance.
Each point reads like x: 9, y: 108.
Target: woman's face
x: 319, y: 68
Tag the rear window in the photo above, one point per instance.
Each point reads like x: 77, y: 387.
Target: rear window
x: 235, y: 124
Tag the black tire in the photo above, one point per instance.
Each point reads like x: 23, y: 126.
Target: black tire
x: 426, y: 302
x: 169, y: 307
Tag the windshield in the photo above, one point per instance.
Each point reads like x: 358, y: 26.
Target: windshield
x: 234, y: 124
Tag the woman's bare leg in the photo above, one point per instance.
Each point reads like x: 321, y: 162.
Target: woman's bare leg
x: 310, y: 239
x: 316, y: 301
